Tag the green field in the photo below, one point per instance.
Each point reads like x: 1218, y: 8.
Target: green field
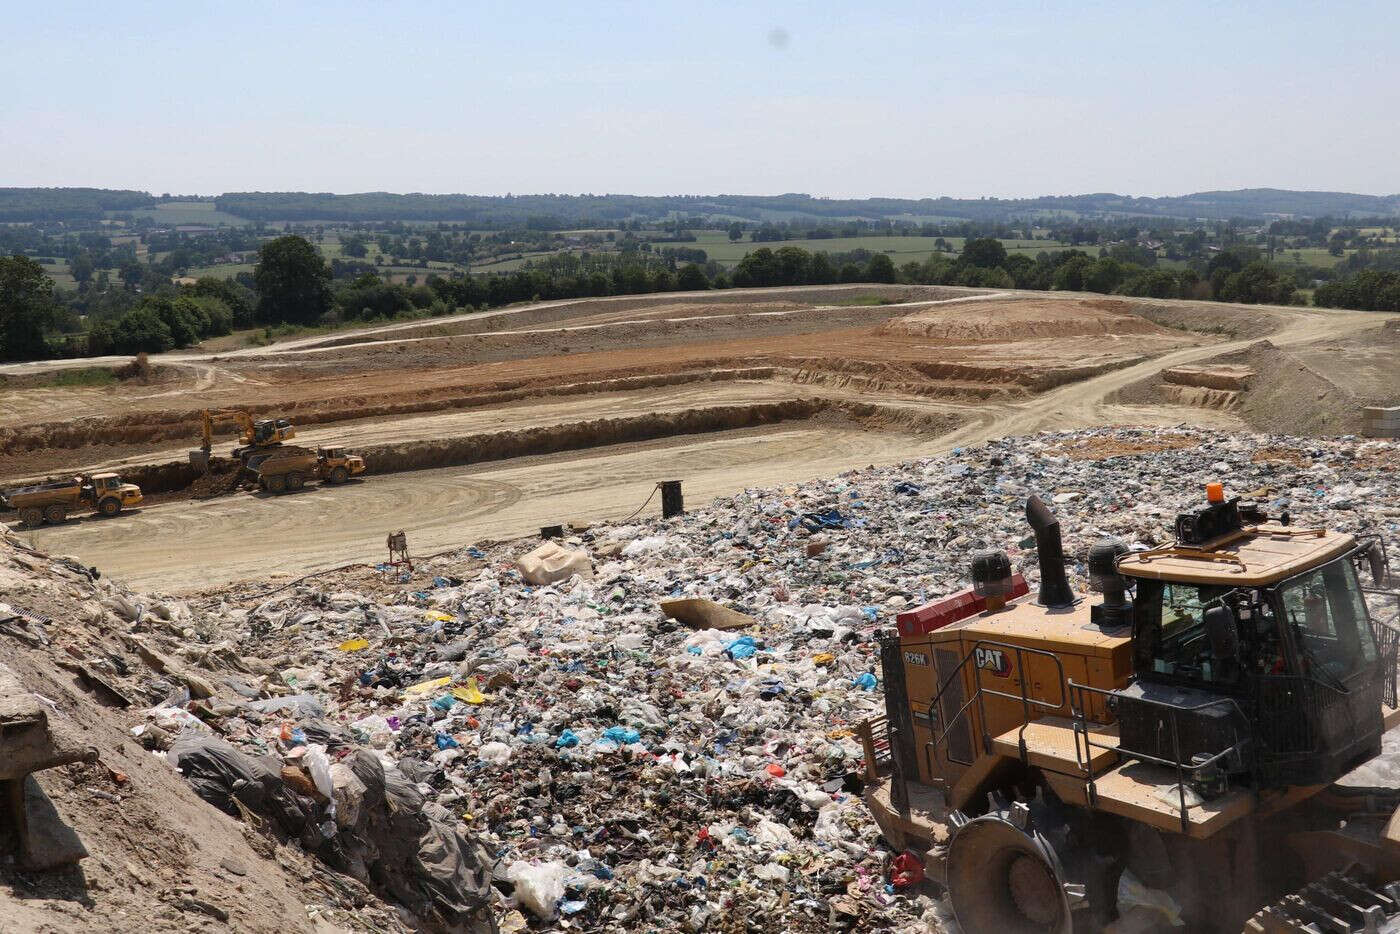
x: 189, y: 212
x: 1308, y: 256
x: 223, y: 271
x: 717, y: 245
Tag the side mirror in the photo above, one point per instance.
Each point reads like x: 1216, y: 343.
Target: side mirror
x: 1222, y: 632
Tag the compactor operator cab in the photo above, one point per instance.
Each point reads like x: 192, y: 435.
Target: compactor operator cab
x: 1265, y: 627
x: 272, y: 430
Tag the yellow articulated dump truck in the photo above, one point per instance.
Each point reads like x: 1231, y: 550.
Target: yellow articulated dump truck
x: 104, y: 493
x: 1204, y: 740
x: 281, y: 473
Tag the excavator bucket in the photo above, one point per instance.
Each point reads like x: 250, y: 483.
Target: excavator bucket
x: 200, y: 460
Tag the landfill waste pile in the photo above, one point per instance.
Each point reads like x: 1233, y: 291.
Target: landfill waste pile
x: 513, y: 737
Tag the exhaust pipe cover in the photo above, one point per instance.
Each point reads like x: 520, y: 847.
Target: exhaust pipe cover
x: 1054, y: 583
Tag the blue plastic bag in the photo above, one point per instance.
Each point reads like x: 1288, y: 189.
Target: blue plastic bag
x: 866, y: 682
x: 567, y: 740
x: 622, y: 735
x: 446, y: 742
x: 742, y: 647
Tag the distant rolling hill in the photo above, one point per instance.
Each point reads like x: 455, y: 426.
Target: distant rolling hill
x: 562, y: 211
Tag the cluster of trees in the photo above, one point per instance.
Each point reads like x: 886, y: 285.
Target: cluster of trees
x: 162, y: 322
x: 27, y: 309
x: 563, y: 212
x: 21, y: 205
x: 1368, y: 290
x: 1235, y: 276
x: 35, y: 324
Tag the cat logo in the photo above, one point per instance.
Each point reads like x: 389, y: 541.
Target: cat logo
x: 993, y: 660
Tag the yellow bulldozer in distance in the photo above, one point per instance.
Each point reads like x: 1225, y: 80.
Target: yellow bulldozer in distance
x: 1210, y: 731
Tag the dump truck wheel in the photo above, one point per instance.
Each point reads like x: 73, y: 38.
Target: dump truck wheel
x: 109, y: 507
x: 295, y: 481
x: 339, y: 475
x: 56, y: 514
x: 276, y: 484
x: 31, y: 517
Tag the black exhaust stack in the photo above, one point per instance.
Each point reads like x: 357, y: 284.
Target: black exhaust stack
x: 1054, y: 584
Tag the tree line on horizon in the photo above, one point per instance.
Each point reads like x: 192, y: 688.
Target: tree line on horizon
x: 292, y: 286
x: 563, y: 211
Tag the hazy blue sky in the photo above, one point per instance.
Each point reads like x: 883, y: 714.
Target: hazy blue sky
x: 905, y: 99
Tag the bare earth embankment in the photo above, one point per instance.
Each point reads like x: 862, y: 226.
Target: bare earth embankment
x: 488, y: 425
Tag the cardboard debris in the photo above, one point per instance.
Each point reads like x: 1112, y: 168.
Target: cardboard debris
x: 699, y: 613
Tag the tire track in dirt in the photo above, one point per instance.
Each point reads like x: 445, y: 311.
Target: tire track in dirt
x: 188, y: 545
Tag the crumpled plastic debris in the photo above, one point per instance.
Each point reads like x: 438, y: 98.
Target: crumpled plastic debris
x: 539, y: 886
x: 664, y: 776
x: 906, y: 870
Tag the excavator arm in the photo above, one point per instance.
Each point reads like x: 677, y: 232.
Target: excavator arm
x: 244, y: 421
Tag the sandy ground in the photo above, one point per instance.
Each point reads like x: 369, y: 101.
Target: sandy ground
x: 1367, y: 366
x: 189, y: 545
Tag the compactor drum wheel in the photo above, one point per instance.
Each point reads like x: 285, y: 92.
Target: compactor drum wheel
x: 276, y: 484
x: 109, y: 507
x: 339, y: 475
x: 56, y: 514
x: 31, y: 517
x: 1014, y: 870
x: 295, y: 481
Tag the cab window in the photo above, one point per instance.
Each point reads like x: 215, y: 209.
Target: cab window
x: 1171, y: 640
x: 1326, y: 609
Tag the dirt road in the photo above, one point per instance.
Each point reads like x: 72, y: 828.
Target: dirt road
x: 1082, y: 404
x: 191, y: 544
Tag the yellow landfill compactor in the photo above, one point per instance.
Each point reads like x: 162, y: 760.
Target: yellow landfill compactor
x: 1206, y: 739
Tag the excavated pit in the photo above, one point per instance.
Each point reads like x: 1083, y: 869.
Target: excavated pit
x: 177, y: 477
x: 1268, y: 388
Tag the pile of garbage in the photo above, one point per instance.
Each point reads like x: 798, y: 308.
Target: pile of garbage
x: 652, y: 725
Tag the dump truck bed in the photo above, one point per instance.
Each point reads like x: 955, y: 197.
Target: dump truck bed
x: 43, y: 494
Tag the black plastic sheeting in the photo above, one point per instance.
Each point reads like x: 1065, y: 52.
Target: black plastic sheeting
x: 405, y: 849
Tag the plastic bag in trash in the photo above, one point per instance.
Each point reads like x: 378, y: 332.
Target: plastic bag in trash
x: 742, y: 647
x: 1137, y: 899
x: 622, y: 734
x: 907, y: 870
x: 495, y: 753
x: 539, y: 886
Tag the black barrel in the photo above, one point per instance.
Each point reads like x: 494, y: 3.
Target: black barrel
x: 672, y: 503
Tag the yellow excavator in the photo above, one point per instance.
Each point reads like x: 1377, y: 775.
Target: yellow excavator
x: 1206, y: 744
x: 257, y: 439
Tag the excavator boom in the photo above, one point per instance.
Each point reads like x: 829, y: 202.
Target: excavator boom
x: 253, y: 435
